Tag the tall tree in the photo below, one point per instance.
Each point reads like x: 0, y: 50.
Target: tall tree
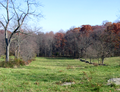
x: 16, y: 12
x: 59, y: 43
x: 71, y: 41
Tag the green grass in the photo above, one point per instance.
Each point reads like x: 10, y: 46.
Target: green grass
x: 46, y: 75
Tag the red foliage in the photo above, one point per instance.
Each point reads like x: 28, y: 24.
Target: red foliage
x: 77, y: 29
x: 59, y: 40
x: 86, y: 28
x: 115, y: 27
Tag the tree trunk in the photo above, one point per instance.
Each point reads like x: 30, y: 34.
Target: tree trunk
x: 7, y: 46
x: 102, y: 58
x: 90, y: 60
x: 79, y: 54
x: 45, y: 52
x: 85, y: 58
x: 98, y: 60
x: 18, y: 45
x: 18, y: 52
x: 60, y: 53
x: 7, y: 53
x: 50, y: 50
x: 73, y: 53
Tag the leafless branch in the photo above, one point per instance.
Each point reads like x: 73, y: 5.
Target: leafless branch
x: 4, y: 18
x: 14, y: 9
x: 2, y: 24
x: 2, y: 5
x: 22, y: 33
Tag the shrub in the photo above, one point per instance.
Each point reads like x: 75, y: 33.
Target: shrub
x: 3, y: 56
x: 19, y: 61
x: 12, y: 63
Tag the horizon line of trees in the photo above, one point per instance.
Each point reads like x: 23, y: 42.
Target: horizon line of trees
x: 83, y: 42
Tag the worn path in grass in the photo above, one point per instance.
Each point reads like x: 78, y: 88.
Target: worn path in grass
x: 46, y: 75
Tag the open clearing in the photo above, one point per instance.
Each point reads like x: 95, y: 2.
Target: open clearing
x: 47, y: 75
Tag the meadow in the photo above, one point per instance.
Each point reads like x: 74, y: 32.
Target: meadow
x: 47, y: 75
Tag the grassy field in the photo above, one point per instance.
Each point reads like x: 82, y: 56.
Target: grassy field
x: 47, y: 75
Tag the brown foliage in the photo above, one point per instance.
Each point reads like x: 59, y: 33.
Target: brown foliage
x: 86, y: 28
x: 59, y: 40
x: 115, y: 27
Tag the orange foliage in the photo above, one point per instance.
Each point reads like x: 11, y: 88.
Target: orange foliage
x: 59, y: 39
x: 115, y: 30
x: 115, y: 27
x: 77, y: 29
x: 86, y: 28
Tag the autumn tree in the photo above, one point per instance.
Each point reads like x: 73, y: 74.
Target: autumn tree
x: 86, y: 29
x: 71, y: 42
x: 13, y: 10
x: 113, y: 31
x: 59, y: 43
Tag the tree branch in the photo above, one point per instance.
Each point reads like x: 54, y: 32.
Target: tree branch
x: 2, y: 5
x: 2, y: 24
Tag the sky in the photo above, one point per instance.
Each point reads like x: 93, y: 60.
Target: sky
x: 64, y: 14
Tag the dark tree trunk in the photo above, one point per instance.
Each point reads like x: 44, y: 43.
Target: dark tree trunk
x: 98, y: 60
x: 7, y: 46
x: 102, y: 58
x: 90, y: 59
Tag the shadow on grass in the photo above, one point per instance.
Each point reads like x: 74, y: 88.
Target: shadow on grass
x: 117, y: 66
x: 59, y: 58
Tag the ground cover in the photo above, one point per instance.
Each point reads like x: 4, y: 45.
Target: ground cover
x: 47, y: 75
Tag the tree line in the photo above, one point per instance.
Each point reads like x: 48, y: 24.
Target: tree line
x: 83, y: 42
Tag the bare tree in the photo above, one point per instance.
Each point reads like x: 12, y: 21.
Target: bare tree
x: 103, y: 43
x: 17, y: 13
x: 83, y: 43
x: 91, y: 53
x: 39, y: 41
x: 48, y: 43
x: 27, y: 48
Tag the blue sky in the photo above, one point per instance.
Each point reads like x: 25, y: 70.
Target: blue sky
x: 64, y: 14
